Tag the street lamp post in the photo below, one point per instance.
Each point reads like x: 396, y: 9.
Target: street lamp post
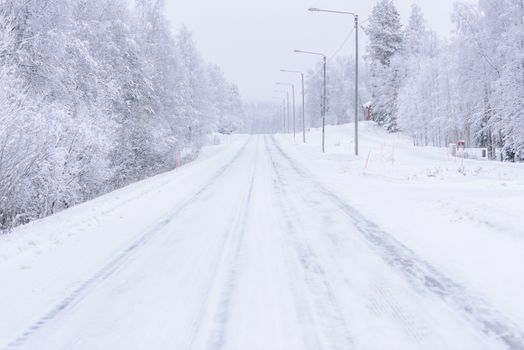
x: 284, y: 115
x: 293, y: 92
x: 287, y: 109
x: 284, y: 107
x: 281, y: 111
x: 303, y: 102
x: 355, y: 16
x: 323, y: 109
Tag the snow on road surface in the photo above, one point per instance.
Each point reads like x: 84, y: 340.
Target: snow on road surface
x: 251, y: 247
x: 464, y: 216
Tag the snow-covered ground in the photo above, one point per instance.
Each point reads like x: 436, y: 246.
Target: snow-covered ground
x: 264, y: 243
x: 465, y: 216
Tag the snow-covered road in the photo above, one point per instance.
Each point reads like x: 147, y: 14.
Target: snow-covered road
x: 259, y: 254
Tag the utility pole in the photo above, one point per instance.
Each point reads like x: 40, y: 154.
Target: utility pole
x: 293, y: 90
x: 356, y: 66
x: 303, y: 102
x: 323, y: 107
x: 287, y: 99
x: 294, y: 122
x: 284, y: 115
x: 285, y: 102
x: 356, y: 84
x: 303, y: 110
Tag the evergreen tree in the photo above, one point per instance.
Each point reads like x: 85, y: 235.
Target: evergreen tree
x: 385, y: 41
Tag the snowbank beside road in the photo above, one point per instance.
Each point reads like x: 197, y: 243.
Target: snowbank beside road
x: 74, y: 243
x: 86, y: 216
x: 465, y: 216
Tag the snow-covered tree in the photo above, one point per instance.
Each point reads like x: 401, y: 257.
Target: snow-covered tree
x: 385, y: 41
x: 94, y: 95
x: 470, y: 88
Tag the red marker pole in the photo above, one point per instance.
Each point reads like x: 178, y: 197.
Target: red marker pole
x: 367, y: 160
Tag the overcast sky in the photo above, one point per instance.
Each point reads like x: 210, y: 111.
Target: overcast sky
x: 251, y: 40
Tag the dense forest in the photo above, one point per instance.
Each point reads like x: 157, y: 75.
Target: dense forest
x: 468, y: 87
x: 95, y: 95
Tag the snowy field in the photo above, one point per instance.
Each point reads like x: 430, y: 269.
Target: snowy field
x: 264, y: 243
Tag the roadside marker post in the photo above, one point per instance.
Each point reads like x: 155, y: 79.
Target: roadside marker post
x: 177, y: 165
x: 367, y: 160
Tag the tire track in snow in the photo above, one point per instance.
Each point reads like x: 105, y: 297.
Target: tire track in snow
x: 235, y: 223
x: 381, y: 300
x: 422, y: 275
x: 304, y: 314
x: 117, y: 261
x: 220, y: 256
x: 218, y: 337
x: 326, y: 305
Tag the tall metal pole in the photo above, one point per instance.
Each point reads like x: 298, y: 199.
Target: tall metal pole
x: 356, y: 66
x: 303, y: 103
x: 294, y: 122
x: 303, y: 111
x: 284, y: 115
x: 356, y: 85
x: 323, y: 100
x: 324, y: 110
x: 287, y: 97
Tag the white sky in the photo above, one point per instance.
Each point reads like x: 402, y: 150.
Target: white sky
x: 252, y: 40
